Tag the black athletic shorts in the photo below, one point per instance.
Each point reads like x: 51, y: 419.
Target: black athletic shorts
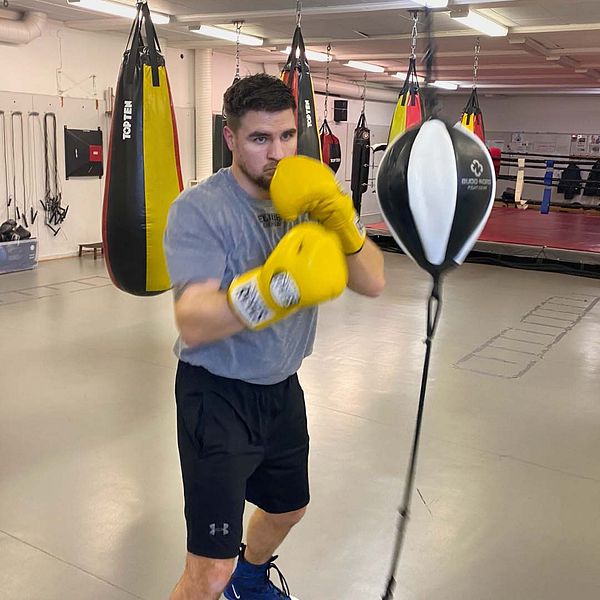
x: 237, y: 441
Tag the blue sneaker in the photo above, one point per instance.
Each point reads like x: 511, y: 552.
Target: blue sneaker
x: 252, y: 582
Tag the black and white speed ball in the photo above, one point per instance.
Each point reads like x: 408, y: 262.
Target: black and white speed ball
x: 436, y: 186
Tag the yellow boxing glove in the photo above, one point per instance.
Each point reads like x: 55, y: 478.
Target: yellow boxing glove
x: 306, y: 267
x: 305, y: 185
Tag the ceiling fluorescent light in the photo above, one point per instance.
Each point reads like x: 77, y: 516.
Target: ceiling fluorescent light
x: 119, y: 10
x: 432, y: 3
x: 445, y: 85
x: 481, y: 23
x: 363, y: 66
x: 310, y: 54
x: 227, y: 34
x: 402, y: 76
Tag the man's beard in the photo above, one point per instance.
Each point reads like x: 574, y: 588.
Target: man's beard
x: 263, y: 181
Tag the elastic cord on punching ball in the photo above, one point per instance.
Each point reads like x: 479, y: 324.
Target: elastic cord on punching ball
x: 434, y: 307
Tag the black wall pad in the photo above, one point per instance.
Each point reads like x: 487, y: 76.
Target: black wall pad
x: 83, y: 153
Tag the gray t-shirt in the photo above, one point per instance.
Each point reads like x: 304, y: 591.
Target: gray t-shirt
x: 216, y: 230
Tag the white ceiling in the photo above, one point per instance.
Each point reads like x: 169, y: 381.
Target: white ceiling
x: 553, y: 45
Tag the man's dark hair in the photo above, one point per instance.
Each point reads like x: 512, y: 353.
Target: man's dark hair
x: 256, y: 92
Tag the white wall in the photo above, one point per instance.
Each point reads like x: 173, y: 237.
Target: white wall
x: 33, y: 77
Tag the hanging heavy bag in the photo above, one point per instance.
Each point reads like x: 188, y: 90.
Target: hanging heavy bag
x: 222, y: 156
x: 143, y: 171
x: 472, y: 117
x: 361, y: 156
x: 296, y: 75
x: 332, y: 149
x: 409, y: 109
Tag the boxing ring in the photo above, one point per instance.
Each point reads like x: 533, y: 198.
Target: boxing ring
x: 527, y: 237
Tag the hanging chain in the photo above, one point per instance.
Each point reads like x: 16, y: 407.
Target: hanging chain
x: 430, y: 96
x: 238, y: 30
x: 298, y: 12
x: 414, y: 34
x: 363, y: 96
x: 327, y: 82
x: 476, y: 63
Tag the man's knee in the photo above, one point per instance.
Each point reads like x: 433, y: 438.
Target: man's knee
x: 205, y: 577
x: 289, y: 519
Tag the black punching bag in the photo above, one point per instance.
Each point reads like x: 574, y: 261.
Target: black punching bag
x: 361, y: 158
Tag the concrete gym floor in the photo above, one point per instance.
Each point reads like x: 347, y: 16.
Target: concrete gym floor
x: 509, y: 472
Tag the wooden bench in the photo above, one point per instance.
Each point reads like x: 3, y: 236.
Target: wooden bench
x: 96, y: 246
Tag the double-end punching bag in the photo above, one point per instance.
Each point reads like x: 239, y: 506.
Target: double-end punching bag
x: 409, y: 109
x: 472, y: 117
x: 436, y: 186
x: 143, y: 171
x: 361, y: 158
x: 331, y: 147
x: 296, y: 75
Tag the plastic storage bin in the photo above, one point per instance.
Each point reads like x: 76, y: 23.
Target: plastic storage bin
x: 18, y: 256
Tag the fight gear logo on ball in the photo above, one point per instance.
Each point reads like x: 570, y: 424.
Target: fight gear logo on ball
x: 477, y: 168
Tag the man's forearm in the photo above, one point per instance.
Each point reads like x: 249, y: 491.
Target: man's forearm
x: 203, y: 315
x: 365, y: 270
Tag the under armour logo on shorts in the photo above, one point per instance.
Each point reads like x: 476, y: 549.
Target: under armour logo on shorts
x: 213, y: 529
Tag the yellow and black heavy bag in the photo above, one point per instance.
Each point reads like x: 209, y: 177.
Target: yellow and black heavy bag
x: 296, y: 75
x: 472, y: 117
x: 409, y: 109
x: 143, y: 171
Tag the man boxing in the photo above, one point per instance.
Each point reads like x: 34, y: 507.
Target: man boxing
x: 252, y: 251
